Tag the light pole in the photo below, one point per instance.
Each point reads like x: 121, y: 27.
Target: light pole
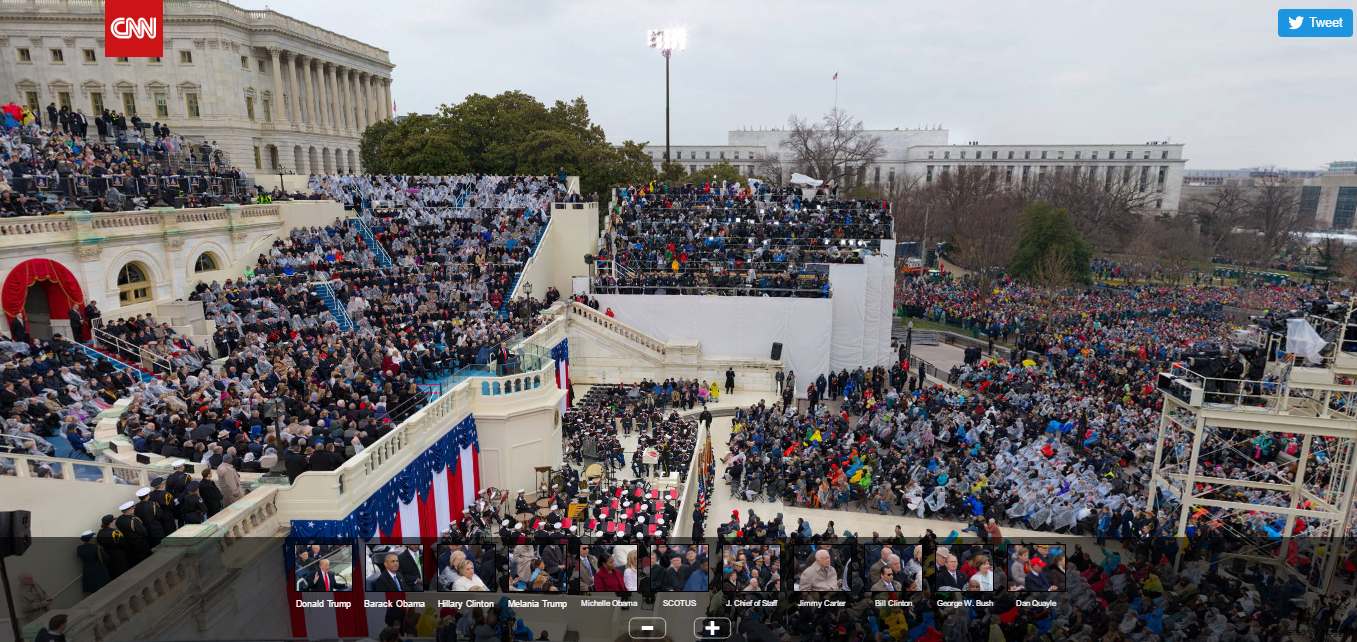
x: 667, y: 41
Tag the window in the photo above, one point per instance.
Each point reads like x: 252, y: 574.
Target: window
x: 1008, y: 175
x: 691, y: 156
x: 258, y: 159
x: 162, y: 105
x: 1077, y: 155
x: 31, y: 98
x: 737, y: 154
x: 1147, y: 155
x: 123, y: 60
x: 96, y: 102
x: 1010, y: 154
x: 928, y: 178
x: 58, y: 56
x: 155, y: 60
x: 752, y: 156
x: 185, y: 57
x: 876, y: 178
x: 1144, y: 177
x: 1043, y: 154
x: 88, y: 55
x: 1126, y: 174
x: 1095, y: 156
x: 930, y: 155
x: 890, y: 178
x: 994, y: 155
x: 1128, y: 155
x: 206, y: 262
x: 133, y: 286
x: 692, y: 168
x: 24, y: 55
x: 1026, y: 171
x: 249, y: 107
x: 64, y: 99
x: 708, y: 155
x: 947, y: 154
x: 1027, y: 155
x: 263, y: 68
x: 191, y: 100
x: 1159, y: 203
x: 245, y: 63
x: 268, y: 110
x: 1060, y: 155
x: 129, y: 104
x: 963, y: 154
x: 1309, y: 201
x: 750, y: 169
x: 1041, y: 172
x: 1345, y: 207
x: 1163, y: 174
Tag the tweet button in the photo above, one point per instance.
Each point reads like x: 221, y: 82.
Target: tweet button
x: 1314, y: 23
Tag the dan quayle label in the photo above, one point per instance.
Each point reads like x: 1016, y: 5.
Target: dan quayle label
x: 134, y: 28
x: 1314, y: 23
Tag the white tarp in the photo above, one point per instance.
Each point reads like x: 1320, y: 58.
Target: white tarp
x: 850, y: 300
x: 736, y: 326
x: 1302, y: 340
x: 802, y: 179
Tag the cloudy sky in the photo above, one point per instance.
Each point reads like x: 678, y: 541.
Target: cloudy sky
x: 1211, y: 74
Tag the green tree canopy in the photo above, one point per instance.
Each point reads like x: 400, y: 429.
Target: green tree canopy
x: 512, y: 133
x: 1050, y: 250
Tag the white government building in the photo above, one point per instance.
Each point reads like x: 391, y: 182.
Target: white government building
x: 273, y: 91
x: 922, y: 154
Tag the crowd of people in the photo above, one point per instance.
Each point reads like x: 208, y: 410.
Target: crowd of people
x: 734, y: 240
x: 55, y: 165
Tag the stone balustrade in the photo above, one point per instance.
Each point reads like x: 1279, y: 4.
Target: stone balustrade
x: 81, y: 226
x: 590, y: 315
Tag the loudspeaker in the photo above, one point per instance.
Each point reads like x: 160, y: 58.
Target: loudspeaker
x: 589, y: 259
x: 15, y: 532
x: 777, y: 351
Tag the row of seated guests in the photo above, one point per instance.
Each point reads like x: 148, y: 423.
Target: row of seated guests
x: 29, y: 153
x: 730, y: 239
x: 295, y: 392
x: 468, y: 190
x: 52, y: 389
x: 154, y: 344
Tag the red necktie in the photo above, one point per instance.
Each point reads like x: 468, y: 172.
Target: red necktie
x: 327, y: 581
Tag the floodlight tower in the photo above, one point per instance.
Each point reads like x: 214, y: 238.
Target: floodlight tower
x: 667, y: 41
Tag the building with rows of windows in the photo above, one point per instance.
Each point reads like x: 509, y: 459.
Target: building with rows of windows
x: 922, y: 154
x: 1327, y: 200
x: 272, y: 91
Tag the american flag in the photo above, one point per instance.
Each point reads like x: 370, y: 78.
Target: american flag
x: 836, y: 75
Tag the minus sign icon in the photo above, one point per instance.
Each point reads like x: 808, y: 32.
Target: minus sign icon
x: 647, y: 627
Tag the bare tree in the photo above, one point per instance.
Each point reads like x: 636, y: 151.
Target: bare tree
x: 1218, y: 214
x: 833, y: 148
x: 1052, y: 269
x: 1172, y: 245
x: 1106, y: 209
x: 770, y: 169
x: 970, y: 208
x: 1274, y: 210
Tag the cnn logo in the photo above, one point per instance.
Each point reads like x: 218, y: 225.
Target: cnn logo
x: 134, y: 28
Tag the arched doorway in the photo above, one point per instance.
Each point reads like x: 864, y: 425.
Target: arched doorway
x: 298, y: 160
x: 41, y: 292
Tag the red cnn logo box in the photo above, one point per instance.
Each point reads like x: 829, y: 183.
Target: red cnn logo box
x: 134, y: 28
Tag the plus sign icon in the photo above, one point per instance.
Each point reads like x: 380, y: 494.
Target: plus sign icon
x: 711, y: 628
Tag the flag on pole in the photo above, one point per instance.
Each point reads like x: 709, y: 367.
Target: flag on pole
x: 836, y: 75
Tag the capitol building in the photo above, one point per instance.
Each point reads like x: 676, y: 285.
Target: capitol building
x: 274, y: 92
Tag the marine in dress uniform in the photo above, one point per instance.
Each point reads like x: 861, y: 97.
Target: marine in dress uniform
x: 134, y: 534
x: 192, y: 508
x: 165, y: 502
x: 95, y: 560
x: 149, y: 514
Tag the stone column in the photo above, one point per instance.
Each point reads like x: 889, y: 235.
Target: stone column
x: 364, y: 116
x: 332, y: 95
x: 294, y: 108
x: 386, y: 92
x: 352, y: 89
x: 342, y: 119
x: 322, y: 108
x: 310, y: 89
x: 277, y: 108
x: 373, y: 101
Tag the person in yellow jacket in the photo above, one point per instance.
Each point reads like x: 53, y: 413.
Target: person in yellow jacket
x: 893, y: 618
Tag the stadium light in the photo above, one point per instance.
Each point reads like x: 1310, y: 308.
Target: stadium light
x: 667, y: 41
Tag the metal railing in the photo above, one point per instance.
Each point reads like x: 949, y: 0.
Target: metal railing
x: 713, y: 290
x: 127, y: 352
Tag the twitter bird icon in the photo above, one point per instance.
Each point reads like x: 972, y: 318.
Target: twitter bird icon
x: 1296, y: 21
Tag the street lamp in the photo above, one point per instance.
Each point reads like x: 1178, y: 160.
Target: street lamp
x: 667, y: 41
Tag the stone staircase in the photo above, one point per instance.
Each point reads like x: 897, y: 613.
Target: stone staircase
x: 383, y: 259
x: 98, y: 353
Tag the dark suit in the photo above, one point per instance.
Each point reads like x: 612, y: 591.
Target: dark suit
x: 318, y: 582
x: 409, y: 568
x: 946, y: 580
x: 671, y: 579
x: 385, y: 583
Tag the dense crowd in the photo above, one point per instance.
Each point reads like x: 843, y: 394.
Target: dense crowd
x: 734, y: 240
x: 58, y: 165
x: 52, y: 389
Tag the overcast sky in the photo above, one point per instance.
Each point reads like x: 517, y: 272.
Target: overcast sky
x: 1211, y: 74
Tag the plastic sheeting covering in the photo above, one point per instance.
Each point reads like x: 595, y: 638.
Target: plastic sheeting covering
x: 737, y: 326
x: 1302, y: 340
x: 863, y: 296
